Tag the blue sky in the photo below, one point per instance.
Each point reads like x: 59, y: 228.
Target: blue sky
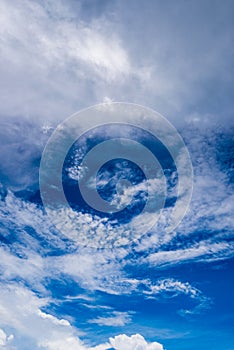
x: 165, y: 291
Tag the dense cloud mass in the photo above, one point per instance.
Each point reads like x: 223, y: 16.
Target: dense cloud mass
x: 58, y: 58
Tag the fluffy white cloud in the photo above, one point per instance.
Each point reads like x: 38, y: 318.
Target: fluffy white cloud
x: 20, y: 311
x: 135, y: 342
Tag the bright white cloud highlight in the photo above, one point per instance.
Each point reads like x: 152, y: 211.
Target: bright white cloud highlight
x: 135, y: 342
x: 4, y: 339
x: 20, y: 311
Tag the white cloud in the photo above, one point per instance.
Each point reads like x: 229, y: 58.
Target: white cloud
x: 20, y: 311
x: 53, y: 319
x: 134, y: 342
x: 151, y: 187
x: 208, y: 222
x: 61, y: 344
x: 91, y: 268
x: 4, y: 339
x: 116, y: 319
x: 173, y: 286
x: 204, y: 251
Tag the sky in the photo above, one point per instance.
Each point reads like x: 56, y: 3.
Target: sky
x: 161, y: 291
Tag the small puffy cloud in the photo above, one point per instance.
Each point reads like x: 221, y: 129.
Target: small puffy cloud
x: 135, y: 342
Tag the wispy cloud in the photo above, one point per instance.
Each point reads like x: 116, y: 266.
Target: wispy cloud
x: 204, y: 251
x: 171, y: 288
x: 116, y: 319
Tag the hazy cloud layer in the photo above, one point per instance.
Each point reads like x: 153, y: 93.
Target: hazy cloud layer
x: 57, y: 58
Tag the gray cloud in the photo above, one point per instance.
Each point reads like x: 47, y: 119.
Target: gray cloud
x: 174, y: 57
